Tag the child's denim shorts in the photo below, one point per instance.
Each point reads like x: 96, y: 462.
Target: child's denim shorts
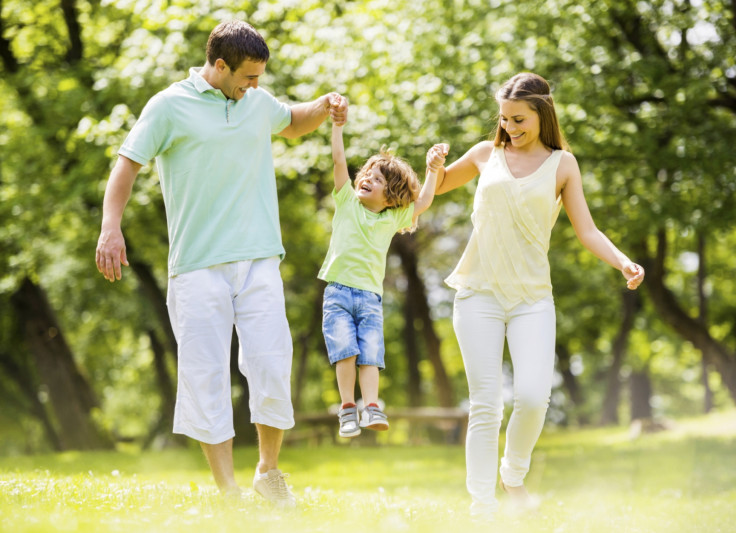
x: 352, y: 323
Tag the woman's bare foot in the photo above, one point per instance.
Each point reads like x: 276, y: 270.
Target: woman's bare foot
x: 519, y: 497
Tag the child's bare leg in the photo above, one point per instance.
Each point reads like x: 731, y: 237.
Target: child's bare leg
x: 345, y: 369
x: 348, y: 414
x: 372, y: 417
x: 369, y: 384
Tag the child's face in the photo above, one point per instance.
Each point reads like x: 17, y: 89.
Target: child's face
x: 371, y: 190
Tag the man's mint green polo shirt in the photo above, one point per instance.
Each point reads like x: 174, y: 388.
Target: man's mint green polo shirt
x: 360, y: 240
x: 215, y: 165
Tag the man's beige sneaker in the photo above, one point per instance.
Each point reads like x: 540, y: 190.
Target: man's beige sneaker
x: 272, y: 486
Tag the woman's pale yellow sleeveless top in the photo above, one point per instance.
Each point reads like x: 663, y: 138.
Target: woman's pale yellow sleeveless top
x: 512, y: 222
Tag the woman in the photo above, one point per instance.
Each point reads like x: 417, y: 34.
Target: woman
x: 503, y: 280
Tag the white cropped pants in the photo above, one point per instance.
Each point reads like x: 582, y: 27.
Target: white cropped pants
x: 481, y: 324
x: 203, y: 306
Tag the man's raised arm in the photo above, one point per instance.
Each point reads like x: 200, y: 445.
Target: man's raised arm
x: 307, y: 117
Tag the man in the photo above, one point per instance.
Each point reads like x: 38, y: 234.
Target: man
x: 211, y: 137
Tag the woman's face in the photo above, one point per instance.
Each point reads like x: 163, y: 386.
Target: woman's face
x: 521, y: 122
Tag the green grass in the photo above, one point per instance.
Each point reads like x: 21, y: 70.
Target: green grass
x: 682, y: 480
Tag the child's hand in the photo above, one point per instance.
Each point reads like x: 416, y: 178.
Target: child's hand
x: 634, y: 275
x: 338, y: 107
x: 436, y: 156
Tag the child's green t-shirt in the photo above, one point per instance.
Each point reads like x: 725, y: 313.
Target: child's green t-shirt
x: 360, y: 240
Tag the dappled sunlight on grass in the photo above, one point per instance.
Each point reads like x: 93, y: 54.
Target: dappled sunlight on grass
x: 721, y: 424
x: 597, y: 480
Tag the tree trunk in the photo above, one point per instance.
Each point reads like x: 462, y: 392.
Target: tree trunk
x: 163, y: 379
x: 707, y: 391
x: 314, y: 328
x: 641, y: 393
x: 703, y: 320
x: 156, y: 298
x: 665, y: 302
x: 629, y: 306
x: 416, y: 295
x: 414, y: 385
x: 21, y: 376
x: 71, y: 397
x: 162, y: 429
x: 307, y: 338
x: 570, y: 382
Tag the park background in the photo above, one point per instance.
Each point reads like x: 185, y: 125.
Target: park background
x: 646, y: 96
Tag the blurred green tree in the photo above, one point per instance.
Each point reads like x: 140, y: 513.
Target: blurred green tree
x: 645, y: 92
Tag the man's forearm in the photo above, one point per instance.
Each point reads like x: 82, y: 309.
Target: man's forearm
x: 307, y: 117
x: 118, y: 191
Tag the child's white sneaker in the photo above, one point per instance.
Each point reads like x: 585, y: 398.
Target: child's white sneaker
x: 373, y: 418
x: 349, y: 422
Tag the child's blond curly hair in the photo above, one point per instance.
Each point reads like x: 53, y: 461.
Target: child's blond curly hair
x: 402, y: 184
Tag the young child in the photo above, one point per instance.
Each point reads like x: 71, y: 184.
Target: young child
x: 384, y: 200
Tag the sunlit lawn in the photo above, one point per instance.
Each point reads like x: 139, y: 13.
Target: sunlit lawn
x: 682, y: 480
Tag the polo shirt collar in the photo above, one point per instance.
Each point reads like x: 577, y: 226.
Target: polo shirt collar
x: 199, y: 82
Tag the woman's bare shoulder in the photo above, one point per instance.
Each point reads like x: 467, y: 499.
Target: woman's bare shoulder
x: 568, y: 164
x: 481, y: 152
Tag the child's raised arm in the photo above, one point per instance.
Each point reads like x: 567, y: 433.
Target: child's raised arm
x: 435, y: 159
x: 340, y: 164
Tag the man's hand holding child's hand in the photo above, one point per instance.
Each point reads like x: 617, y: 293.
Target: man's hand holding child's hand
x: 338, y: 107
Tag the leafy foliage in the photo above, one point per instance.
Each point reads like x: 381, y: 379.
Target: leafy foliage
x: 645, y: 93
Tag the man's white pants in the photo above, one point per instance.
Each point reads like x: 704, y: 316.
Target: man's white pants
x: 481, y: 324
x: 203, y: 306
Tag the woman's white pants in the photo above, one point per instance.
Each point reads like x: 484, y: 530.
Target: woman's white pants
x: 481, y: 324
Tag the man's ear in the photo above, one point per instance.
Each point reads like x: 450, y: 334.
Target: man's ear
x: 220, y: 64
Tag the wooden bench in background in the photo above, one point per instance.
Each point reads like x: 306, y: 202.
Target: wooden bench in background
x: 437, y: 424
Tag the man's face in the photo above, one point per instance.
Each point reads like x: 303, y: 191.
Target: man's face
x: 235, y: 83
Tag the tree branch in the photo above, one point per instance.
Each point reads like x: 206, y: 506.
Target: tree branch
x: 638, y: 35
x: 725, y: 101
x: 688, y: 327
x: 9, y: 60
x: 76, y: 48
x: 633, y: 102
